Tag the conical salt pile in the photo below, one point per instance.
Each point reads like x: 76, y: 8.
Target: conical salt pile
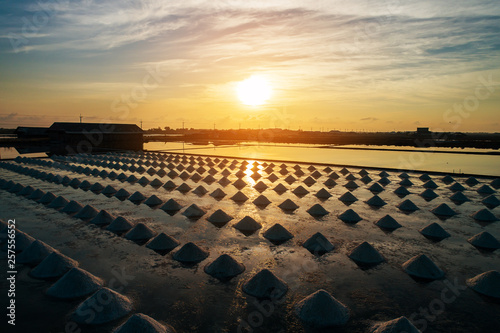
x: 348, y: 198
x: 272, y: 178
x: 376, y: 188
x: 141, y: 323
x: 171, y: 206
x: 401, y: 192
x: 140, y: 232
x: 495, y: 183
x: 34, y: 253
x: 277, y: 234
x: 457, y: 187
x: 156, y: 183
x: 430, y: 184
x: 443, y: 211
x: 96, y: 188
x: 85, y: 185
x: 239, y: 197
x: 383, y: 174
x: 120, y: 224
x: 487, y: 283
x: 58, y: 202
x: 102, y: 218
x: 163, y: 242
x: 72, y: 207
x: 218, y: 194
x: 239, y: 184
x: 153, y: 201
x: 193, y: 211
x: 425, y: 177
x: 406, y: 182
x: 247, y: 225
x: 224, y: 268
x: 350, y: 177
x: 366, y: 179
x: 219, y: 218
x: 109, y: 191
x: 384, y: 181
x: 398, y: 325
x: 317, y: 211
x: 36, y: 194
x: 447, y: 179
x: 260, y: 186
x: 86, y: 213
x: 265, y: 284
x: 407, y: 206
x: 376, y: 201
x: 422, y: 267
x: 115, y: 307
x: 224, y: 181
x: 122, y: 194
x: 459, y: 198
x: 318, y: 244
x: 16, y: 188
x: 200, y: 191
x: 169, y: 186
x: 309, y: 181
x: 471, y: 181
x: 137, y: 197
x: 366, y: 254
x: 321, y: 310
x: 26, y: 191
x: 388, y: 223
x: 280, y: 188
x: 351, y: 185
x: 323, y: 194
x: 491, y: 202
x: 288, y: 205
x: 485, y: 189
x: 190, y: 253
x: 429, y: 194
x: 434, y: 232
x: 54, y: 265
x: 300, y: 191
x: 183, y: 188
x: 350, y: 216
x: 485, y: 240
x: 75, y: 283
x: 330, y: 183
x: 484, y: 215
x: 261, y: 201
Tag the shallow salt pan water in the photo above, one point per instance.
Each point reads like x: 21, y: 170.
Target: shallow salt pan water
x: 190, y: 300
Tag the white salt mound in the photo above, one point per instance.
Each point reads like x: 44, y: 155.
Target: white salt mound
x: 317, y: 211
x: 58, y: 202
x: 376, y: 201
x: 153, y: 201
x: 265, y: 284
x: 54, y: 265
x: 366, y: 254
x: 190, y: 253
x: 144, y: 324
x: 484, y: 215
x: 72, y: 207
x: 86, y: 213
x: 443, y: 210
x: 239, y: 197
x: 407, y: 206
x: 115, y: 307
x: 171, y: 206
x: 74, y: 284
x: 348, y: 197
x: 34, y: 253
x: 398, y: 325
x: 422, y: 267
x: 248, y: 224
x: 261, y: 200
x: 163, y: 242
x: 487, y: 283
x: 321, y: 310
x: 318, y: 244
x: 350, y: 216
x: 224, y: 267
x: 288, y: 205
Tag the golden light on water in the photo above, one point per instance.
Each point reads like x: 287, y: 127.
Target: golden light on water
x: 254, y: 91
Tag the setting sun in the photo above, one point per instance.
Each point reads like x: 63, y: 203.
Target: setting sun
x: 254, y: 91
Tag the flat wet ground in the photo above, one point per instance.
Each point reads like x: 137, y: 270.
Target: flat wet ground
x: 192, y: 301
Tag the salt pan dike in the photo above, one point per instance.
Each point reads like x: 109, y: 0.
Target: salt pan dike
x: 193, y: 233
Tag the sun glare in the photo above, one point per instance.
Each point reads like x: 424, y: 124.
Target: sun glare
x: 254, y: 91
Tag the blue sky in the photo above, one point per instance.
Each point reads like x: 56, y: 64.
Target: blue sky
x: 381, y: 65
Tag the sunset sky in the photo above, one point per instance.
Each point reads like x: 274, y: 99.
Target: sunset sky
x: 362, y: 65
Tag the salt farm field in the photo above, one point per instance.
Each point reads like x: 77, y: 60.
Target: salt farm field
x: 190, y: 300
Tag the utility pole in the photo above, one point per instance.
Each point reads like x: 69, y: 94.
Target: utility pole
x: 141, y: 123
x: 81, y: 118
